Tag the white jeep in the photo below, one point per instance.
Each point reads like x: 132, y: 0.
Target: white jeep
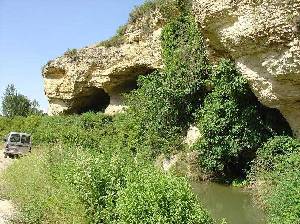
x: 17, y: 144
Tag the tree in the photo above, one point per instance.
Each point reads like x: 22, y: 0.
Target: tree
x: 16, y: 104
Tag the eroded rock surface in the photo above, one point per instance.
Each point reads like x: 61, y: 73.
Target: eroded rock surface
x: 263, y: 37
x: 95, y: 77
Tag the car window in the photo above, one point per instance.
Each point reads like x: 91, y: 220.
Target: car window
x: 25, y: 139
x: 14, y: 138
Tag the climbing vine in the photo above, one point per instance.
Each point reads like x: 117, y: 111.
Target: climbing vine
x: 217, y: 98
x: 164, y: 103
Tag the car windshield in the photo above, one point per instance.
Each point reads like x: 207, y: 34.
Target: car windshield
x: 25, y: 139
x: 14, y: 138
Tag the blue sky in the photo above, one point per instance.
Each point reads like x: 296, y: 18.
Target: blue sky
x: 35, y: 31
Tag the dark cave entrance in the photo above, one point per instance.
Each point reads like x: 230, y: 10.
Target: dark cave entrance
x: 274, y: 124
x: 90, y: 100
x: 108, y: 99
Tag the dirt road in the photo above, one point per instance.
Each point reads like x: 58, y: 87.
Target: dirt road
x: 6, y: 207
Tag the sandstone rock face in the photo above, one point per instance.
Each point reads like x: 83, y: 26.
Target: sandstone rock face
x: 263, y: 37
x: 95, y: 77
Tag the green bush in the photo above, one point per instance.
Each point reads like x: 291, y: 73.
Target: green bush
x: 162, y: 106
x: 157, y: 198
x: 283, y: 202
x: 275, y: 150
x: 82, y: 130
x: 276, y: 175
x: 233, y: 123
x: 115, y: 41
x: 72, y: 53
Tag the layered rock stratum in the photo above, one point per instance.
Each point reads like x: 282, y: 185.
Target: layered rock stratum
x: 97, y: 75
x: 261, y: 36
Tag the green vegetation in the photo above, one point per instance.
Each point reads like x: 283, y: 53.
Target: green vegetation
x: 145, y: 201
x: 71, y: 52
x: 93, y: 169
x: 16, y: 104
x: 233, y: 123
x: 42, y: 192
x: 163, y: 104
x: 115, y: 41
x: 102, y: 166
x: 277, y: 170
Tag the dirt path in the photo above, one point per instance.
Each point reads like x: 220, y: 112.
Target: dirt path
x: 6, y: 207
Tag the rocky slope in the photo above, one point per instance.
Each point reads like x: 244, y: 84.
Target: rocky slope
x: 261, y: 36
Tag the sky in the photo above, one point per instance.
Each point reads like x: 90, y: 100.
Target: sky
x: 34, y: 31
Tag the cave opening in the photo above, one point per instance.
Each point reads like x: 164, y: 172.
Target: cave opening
x: 90, y: 100
x: 274, y: 124
x: 122, y: 83
x: 110, y: 98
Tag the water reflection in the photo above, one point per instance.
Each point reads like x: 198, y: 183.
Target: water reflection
x: 231, y: 203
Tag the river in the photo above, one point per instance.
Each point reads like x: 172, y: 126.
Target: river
x: 232, y: 203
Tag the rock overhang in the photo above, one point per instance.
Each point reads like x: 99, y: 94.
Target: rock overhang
x: 262, y: 37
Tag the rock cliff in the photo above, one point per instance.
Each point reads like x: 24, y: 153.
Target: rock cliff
x: 94, y: 77
x: 262, y: 36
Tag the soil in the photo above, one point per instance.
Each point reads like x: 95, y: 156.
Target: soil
x: 7, y: 209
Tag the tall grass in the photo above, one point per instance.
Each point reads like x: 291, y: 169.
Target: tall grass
x: 86, y: 172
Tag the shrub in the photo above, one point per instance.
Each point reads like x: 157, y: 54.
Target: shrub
x: 115, y: 41
x: 163, y: 104
x: 276, y: 175
x: 82, y: 130
x: 71, y: 52
x: 157, y: 198
x: 283, y: 202
x: 233, y: 123
x: 274, y: 150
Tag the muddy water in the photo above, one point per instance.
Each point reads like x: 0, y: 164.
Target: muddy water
x: 233, y: 204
